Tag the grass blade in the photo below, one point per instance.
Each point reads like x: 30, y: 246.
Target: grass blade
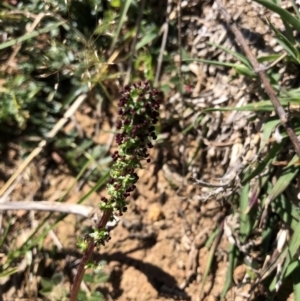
x: 7, y: 273
x: 240, y: 68
x: 125, y: 8
x: 289, y: 264
x: 285, y: 43
x: 296, y: 282
x: 268, y: 128
x: 288, y: 174
x: 272, y: 154
x: 30, y: 35
x: 245, y: 225
x: 233, y: 259
x: 284, y: 14
x: 217, y: 236
x: 237, y: 55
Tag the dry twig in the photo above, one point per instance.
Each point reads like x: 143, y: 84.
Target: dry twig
x: 88, y: 212
x: 163, y: 44
x: 77, y: 209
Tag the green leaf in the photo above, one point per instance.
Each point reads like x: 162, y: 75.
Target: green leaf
x: 245, y: 225
x: 268, y: 128
x: 30, y: 35
x: 233, y: 259
x: 240, y: 57
x: 296, y: 281
x: 288, y: 174
x: 88, y: 278
x: 115, y: 3
x: 289, y: 32
x: 287, y: 211
x: 122, y: 19
x: 7, y: 273
x: 212, y: 249
x: 271, y: 156
x: 82, y: 296
x: 240, y: 68
x: 260, y: 106
x: 290, y: 252
x: 101, y: 277
x: 268, y: 58
x: 96, y: 296
x: 286, y: 43
x: 5, y: 232
x: 284, y: 14
x: 146, y: 40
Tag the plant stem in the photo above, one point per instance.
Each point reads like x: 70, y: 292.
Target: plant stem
x: 86, y: 256
x: 138, y: 111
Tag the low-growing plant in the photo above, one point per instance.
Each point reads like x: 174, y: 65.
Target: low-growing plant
x: 138, y: 111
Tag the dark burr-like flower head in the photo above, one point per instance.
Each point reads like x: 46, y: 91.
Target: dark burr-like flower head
x: 138, y: 112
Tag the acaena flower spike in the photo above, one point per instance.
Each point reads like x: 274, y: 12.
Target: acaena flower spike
x: 138, y: 113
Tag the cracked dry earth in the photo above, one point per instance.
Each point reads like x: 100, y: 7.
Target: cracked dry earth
x: 161, y: 247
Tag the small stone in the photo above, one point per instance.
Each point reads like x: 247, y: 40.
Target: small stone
x: 155, y: 212
x: 210, y: 298
x: 239, y: 273
x: 181, y: 265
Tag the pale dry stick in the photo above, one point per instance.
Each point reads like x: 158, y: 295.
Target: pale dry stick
x: 132, y: 50
x: 260, y: 71
x: 163, y: 44
x: 278, y: 60
x: 77, y: 126
x: 85, y: 211
x: 228, y: 180
x: 212, y: 185
x: 43, y: 143
x: 36, y: 21
x: 21, y: 12
x: 4, y: 197
x: 110, y: 61
x: 270, y: 264
x: 183, y: 147
x: 82, y: 210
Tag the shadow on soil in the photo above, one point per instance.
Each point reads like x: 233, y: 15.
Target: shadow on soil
x: 164, y: 283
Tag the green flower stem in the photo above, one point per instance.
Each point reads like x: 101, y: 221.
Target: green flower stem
x: 87, y: 255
